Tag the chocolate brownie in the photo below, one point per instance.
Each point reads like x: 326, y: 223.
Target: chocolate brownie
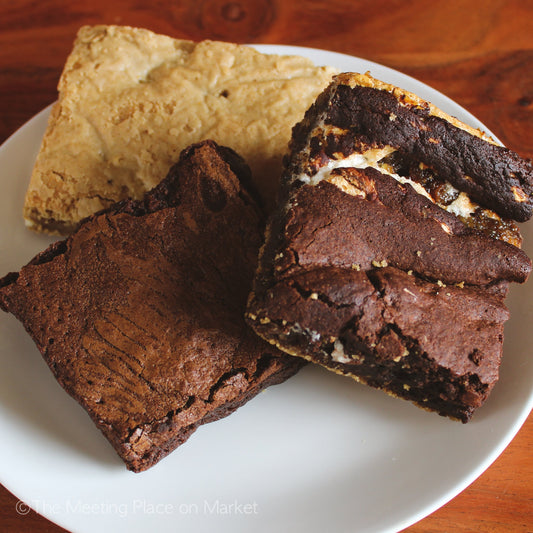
x: 385, y: 261
x: 139, y: 314
x: 358, y: 114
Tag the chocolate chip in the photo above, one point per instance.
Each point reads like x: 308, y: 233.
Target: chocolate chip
x: 475, y: 356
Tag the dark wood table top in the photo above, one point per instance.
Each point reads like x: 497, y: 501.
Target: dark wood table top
x: 478, y: 53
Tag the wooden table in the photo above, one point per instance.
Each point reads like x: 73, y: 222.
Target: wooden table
x: 478, y: 53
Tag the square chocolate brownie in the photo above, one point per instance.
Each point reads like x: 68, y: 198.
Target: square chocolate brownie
x: 139, y: 313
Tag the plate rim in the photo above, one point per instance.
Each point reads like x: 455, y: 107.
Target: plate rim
x: 472, y: 120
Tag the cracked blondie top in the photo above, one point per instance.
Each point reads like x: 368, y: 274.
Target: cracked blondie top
x: 131, y: 100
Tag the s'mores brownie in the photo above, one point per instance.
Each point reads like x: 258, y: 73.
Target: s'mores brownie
x: 390, y: 254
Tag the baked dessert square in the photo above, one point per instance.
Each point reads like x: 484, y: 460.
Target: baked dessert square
x: 389, y: 256
x: 131, y: 100
x: 139, y: 313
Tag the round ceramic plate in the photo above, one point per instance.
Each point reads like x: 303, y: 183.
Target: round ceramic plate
x: 317, y: 453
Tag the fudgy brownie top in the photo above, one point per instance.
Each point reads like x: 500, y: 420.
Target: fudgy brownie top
x: 362, y: 251
x: 139, y: 313
x: 389, y: 314
x: 363, y: 218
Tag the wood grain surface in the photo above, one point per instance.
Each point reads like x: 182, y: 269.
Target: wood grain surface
x: 479, y: 53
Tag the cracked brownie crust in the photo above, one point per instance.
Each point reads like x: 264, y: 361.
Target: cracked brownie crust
x: 390, y: 330
x: 382, y: 261
x: 382, y: 221
x: 139, y: 313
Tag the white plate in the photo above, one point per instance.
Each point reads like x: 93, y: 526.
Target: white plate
x: 318, y: 453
